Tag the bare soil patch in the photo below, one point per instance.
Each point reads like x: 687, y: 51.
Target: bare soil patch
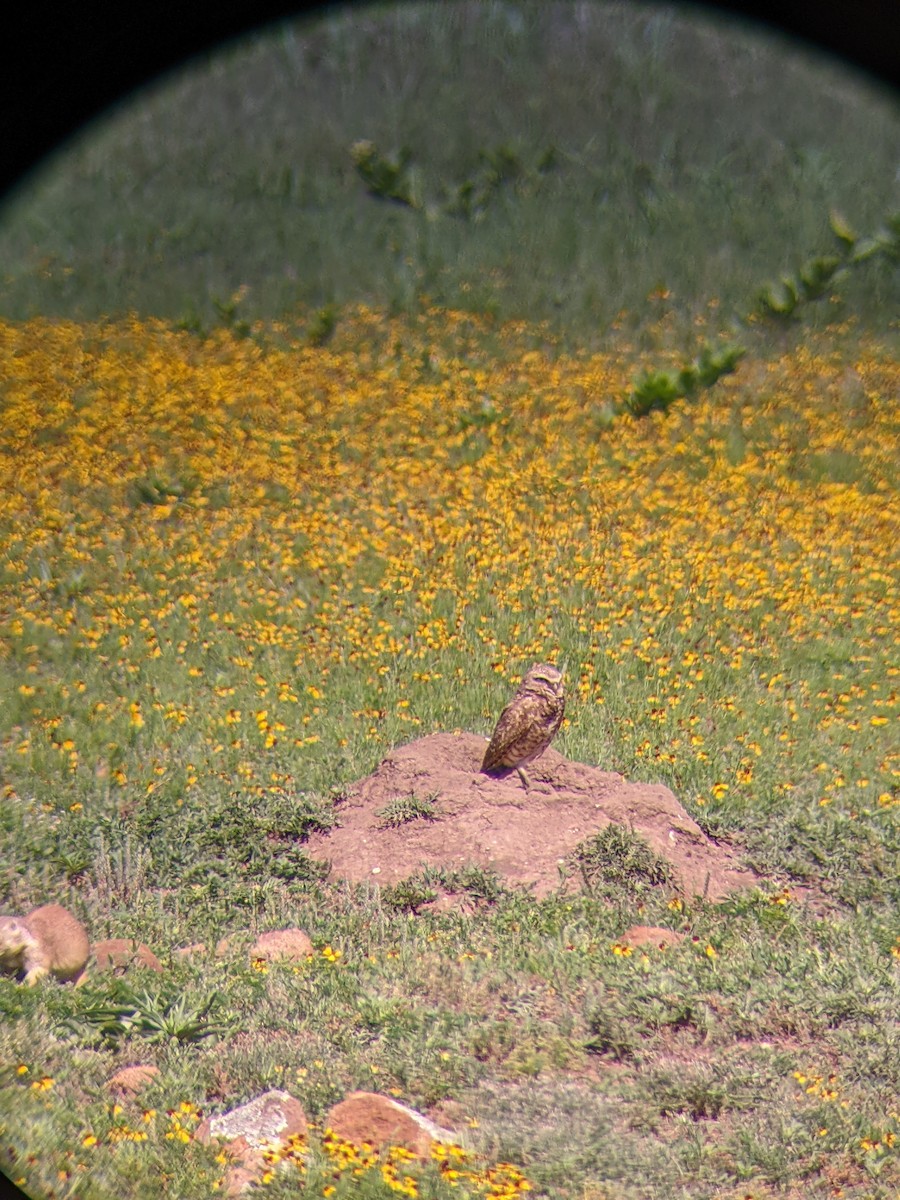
x: 494, y: 823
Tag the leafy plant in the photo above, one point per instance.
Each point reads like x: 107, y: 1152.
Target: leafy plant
x: 619, y: 858
x: 409, y: 895
x: 322, y: 326
x: 655, y: 390
x: 387, y: 178
x: 781, y: 298
x: 479, y: 883
x: 482, y: 416
x: 163, y: 487
x: 712, y: 363
x: 159, y: 1016
x: 885, y: 242
x: 660, y: 389
x: 810, y: 282
x: 404, y: 809
x: 842, y: 230
x: 497, y: 167
x: 227, y: 312
x: 815, y: 276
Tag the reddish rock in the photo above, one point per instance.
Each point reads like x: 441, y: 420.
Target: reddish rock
x: 130, y: 1080
x: 268, y: 1121
x: 381, y: 1121
x: 195, y: 950
x: 246, y: 1165
x: 241, y: 1177
x: 118, y: 953
x: 198, y: 949
x: 290, y: 945
x: 651, y: 935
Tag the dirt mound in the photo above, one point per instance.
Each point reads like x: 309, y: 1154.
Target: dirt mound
x: 463, y: 818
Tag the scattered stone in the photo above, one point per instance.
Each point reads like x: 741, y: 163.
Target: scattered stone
x: 115, y: 954
x: 381, y: 1121
x: 651, y: 935
x: 195, y: 950
x: 245, y: 1167
x: 130, y: 1080
x: 270, y: 1119
x: 523, y: 836
x: 291, y: 945
x: 198, y: 949
x: 243, y: 1175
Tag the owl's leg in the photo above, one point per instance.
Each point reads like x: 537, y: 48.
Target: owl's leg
x: 525, y: 780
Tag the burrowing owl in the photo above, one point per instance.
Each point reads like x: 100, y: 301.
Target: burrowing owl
x: 529, y: 722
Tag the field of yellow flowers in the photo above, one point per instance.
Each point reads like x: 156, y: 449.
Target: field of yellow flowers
x: 234, y: 571
x: 222, y: 548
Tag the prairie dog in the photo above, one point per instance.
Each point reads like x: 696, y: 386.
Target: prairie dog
x: 49, y: 941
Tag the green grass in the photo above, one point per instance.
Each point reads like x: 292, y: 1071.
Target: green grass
x: 579, y: 1065
x: 557, y: 163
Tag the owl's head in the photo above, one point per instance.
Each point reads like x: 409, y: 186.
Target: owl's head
x: 543, y: 678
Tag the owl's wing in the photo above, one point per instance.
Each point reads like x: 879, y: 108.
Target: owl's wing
x: 515, y: 720
x: 559, y: 718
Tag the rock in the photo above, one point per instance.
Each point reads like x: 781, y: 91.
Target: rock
x: 650, y: 935
x: 118, y: 953
x: 194, y: 950
x: 130, y: 1080
x: 381, y: 1121
x: 270, y: 1119
x: 199, y: 949
x: 241, y: 1177
x: 246, y: 1165
x: 291, y: 945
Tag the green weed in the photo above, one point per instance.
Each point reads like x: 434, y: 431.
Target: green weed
x: 619, y: 859
x: 657, y: 390
x: 119, y: 1011
x: 404, y: 809
x: 387, y: 178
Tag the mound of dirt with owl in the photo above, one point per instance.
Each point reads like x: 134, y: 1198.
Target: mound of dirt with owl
x: 452, y: 807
